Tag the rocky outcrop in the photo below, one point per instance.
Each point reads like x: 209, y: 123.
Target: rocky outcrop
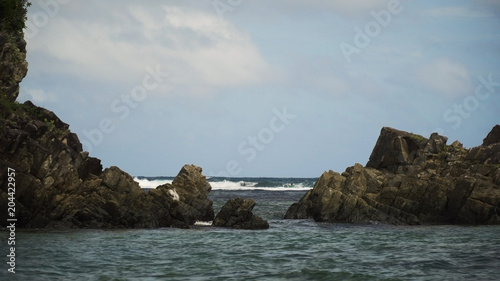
x: 186, y: 199
x: 57, y: 184
x: 493, y: 136
x: 13, y: 64
x: 410, y: 179
x: 237, y: 213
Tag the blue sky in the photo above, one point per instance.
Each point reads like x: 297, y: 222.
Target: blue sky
x: 285, y: 88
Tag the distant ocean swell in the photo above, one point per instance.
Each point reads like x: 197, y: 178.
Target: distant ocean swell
x: 218, y: 183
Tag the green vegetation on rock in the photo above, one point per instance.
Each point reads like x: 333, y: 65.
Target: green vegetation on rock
x: 13, y: 15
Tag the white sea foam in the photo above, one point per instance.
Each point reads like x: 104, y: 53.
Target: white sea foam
x: 174, y: 194
x: 245, y: 185
x: 229, y: 185
x: 203, y: 223
x: 145, y: 183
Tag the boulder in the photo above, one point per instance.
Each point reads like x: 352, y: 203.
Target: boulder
x: 410, y: 179
x: 237, y: 213
x: 186, y: 199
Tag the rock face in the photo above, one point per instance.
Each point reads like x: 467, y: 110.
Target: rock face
x: 186, y: 198
x: 59, y: 185
x: 237, y: 213
x: 13, y: 64
x: 410, y: 179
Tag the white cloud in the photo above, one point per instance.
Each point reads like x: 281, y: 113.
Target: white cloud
x: 451, y: 79
x: 40, y: 96
x: 197, y: 48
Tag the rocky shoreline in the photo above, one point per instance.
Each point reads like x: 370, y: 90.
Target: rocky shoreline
x: 411, y: 180
x: 58, y: 185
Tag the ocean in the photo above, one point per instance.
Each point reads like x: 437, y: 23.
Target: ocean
x: 288, y: 250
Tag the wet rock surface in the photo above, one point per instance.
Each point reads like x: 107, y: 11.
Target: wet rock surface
x: 237, y: 213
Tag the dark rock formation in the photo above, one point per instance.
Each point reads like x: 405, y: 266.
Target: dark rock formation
x: 186, y: 198
x: 13, y: 64
x: 493, y: 136
x: 410, y: 179
x: 59, y: 185
x: 237, y: 213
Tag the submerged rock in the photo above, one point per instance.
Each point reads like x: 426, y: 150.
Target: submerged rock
x: 410, y: 179
x: 237, y: 213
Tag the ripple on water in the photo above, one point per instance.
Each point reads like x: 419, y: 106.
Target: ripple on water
x: 289, y: 250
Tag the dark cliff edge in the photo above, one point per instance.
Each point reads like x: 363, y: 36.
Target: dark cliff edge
x: 57, y: 184
x: 52, y: 183
x: 46, y: 178
x: 411, y: 180
x: 13, y: 64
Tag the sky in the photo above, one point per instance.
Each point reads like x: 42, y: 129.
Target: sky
x: 255, y: 88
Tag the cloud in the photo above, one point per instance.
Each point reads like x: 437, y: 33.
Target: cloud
x: 40, y: 96
x: 451, y: 79
x: 198, y: 48
x: 456, y: 11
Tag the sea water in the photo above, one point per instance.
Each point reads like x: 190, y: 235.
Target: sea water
x: 288, y: 250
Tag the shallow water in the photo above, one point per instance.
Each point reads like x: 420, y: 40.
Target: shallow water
x: 289, y: 250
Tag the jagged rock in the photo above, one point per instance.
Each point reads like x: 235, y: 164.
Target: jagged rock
x: 489, y: 151
x: 237, y: 213
x: 186, y: 197
x: 493, y: 136
x: 59, y: 185
x: 13, y: 64
x: 396, y: 149
x: 411, y: 180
